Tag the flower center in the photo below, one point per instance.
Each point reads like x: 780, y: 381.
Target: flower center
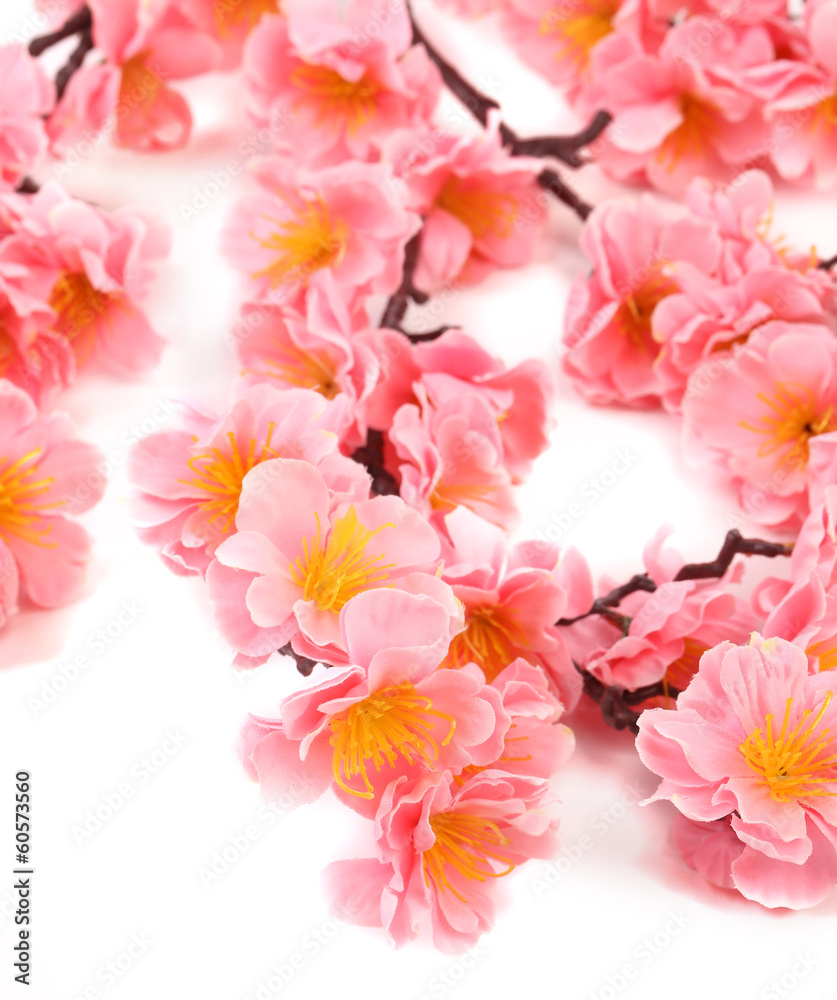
x: 221, y: 473
x: 825, y: 114
x: 483, y: 212
x: 466, y: 847
x: 797, y: 763
x: 20, y: 490
x: 680, y: 673
x: 796, y: 418
x: 448, y: 496
x: 579, y: 32
x: 308, y: 369
x: 140, y: 85
x: 394, y: 722
x: 335, y: 99
x: 333, y: 574
x: 304, y: 244
x: 692, y: 135
x: 634, y: 315
x: 491, y: 639
x: 825, y: 651
x: 79, y: 306
x: 236, y: 12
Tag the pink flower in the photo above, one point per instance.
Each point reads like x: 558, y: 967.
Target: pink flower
x: 521, y: 397
x: 755, y: 414
x: 190, y: 480
x: 670, y: 628
x: 512, y: 599
x: 638, y: 254
x: 389, y: 713
x: 145, y: 46
x: 801, y: 102
x: 342, y: 228
x: 333, y: 87
x: 97, y: 265
x: 316, y: 350
x: 752, y: 739
x: 27, y: 98
x: 451, y: 455
x: 559, y: 39
x: 441, y: 849
x: 292, y: 568
x: 229, y: 22
x: 482, y: 207
x: 473, y: 8
x: 47, y: 476
x: 682, y: 111
x: 706, y: 317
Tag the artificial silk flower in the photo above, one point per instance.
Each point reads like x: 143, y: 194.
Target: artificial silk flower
x: 340, y: 229
x: 752, y: 742
x: 756, y: 414
x: 47, y: 477
x: 442, y: 846
x: 292, y: 569
x: 145, y: 46
x: 92, y: 266
x: 669, y: 629
x: 337, y: 90
x: 391, y: 712
x: 482, y: 208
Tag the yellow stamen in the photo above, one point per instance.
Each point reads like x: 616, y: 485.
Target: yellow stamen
x: 448, y: 496
x: 79, y: 309
x: 307, y: 369
x: 232, y: 13
x: 796, y: 764
x: 21, y: 515
x: 825, y: 115
x: 305, y: 244
x: 392, y: 723
x: 220, y: 475
x: 680, y: 672
x: 491, y: 639
x: 797, y: 419
x: 692, y: 135
x: 332, y: 574
x: 580, y: 30
x: 484, y: 212
x: 465, y: 845
x: 334, y: 99
x: 637, y: 309
x: 140, y: 86
x: 825, y: 650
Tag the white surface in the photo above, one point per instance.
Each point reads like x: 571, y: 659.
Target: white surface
x: 167, y: 671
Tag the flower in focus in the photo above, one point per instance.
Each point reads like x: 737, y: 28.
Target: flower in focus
x: 752, y: 741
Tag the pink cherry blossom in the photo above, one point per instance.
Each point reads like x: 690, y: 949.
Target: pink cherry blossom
x: 683, y: 110
x: 98, y: 265
x: 290, y: 569
x: 755, y: 414
x: 482, y: 207
x: 512, y: 599
x: 229, y: 22
x: 521, y: 396
x: 47, y: 476
x: 670, y: 628
x: 638, y: 252
x: 145, y: 46
x: 441, y: 848
x: 27, y: 98
x: 313, y: 349
x: 752, y: 739
x: 451, y: 455
x: 332, y: 89
x: 801, y: 98
x: 389, y: 713
x: 189, y: 481
x: 340, y: 227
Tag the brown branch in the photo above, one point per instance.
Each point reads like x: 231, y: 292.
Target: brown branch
x: 604, y: 605
x: 734, y: 544
x: 563, y: 147
x: 371, y: 455
x: 423, y: 338
x: 82, y: 21
x: 303, y: 664
x: 73, y: 64
x: 396, y: 308
x: 550, y: 181
x: 826, y: 265
x: 28, y: 186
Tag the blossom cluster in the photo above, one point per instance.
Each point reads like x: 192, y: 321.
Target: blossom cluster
x: 704, y: 311
x: 702, y: 87
x: 71, y: 276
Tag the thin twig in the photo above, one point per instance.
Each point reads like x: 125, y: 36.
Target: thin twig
x: 73, y: 64
x: 82, y: 21
x: 734, y: 544
x: 396, y: 308
x: 371, y: 456
x: 303, y: 664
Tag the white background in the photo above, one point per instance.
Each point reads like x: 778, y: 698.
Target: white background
x: 261, y: 929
